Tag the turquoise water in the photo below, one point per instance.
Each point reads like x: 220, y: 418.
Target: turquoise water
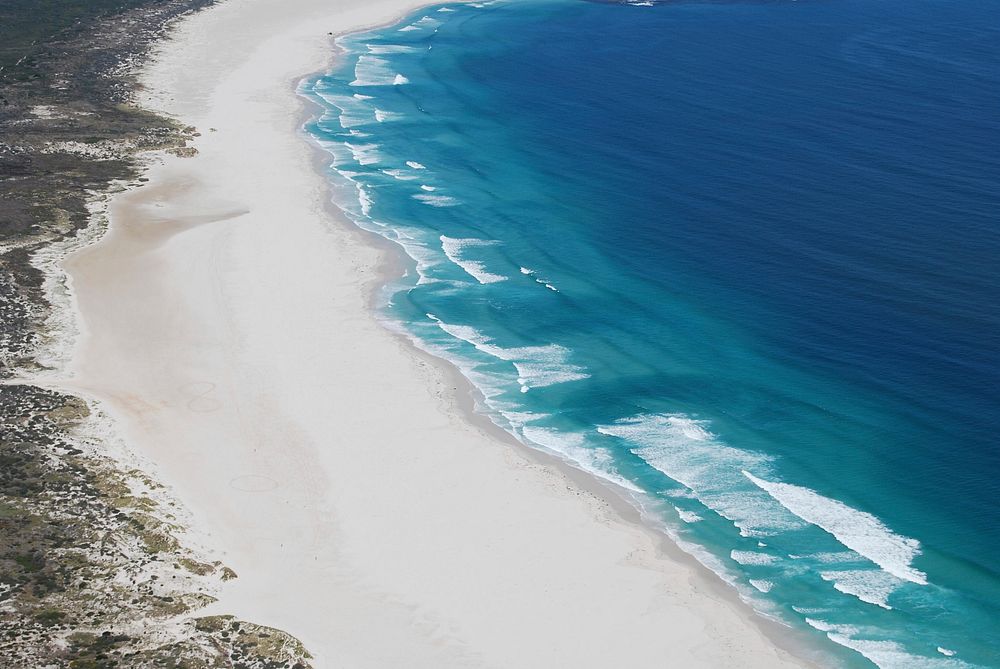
x: 736, y: 260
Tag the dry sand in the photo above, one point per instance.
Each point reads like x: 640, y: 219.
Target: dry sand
x: 225, y: 326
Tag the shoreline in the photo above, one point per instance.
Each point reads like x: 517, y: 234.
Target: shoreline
x: 453, y: 394
x: 464, y: 397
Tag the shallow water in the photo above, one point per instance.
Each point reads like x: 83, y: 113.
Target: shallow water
x: 737, y: 259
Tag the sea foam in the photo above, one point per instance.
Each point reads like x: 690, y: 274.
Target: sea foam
x: 868, y: 585
x: 573, y: 446
x: 400, y: 175
x: 353, y: 111
x: 684, y: 450
x: 382, y: 116
x: 547, y: 371
x: 423, y: 23
x: 530, y: 272
x: 454, y: 248
x: 883, y: 654
x: 858, y: 530
x: 753, y: 558
x: 388, y: 49
x: 439, y: 201
x: 364, y: 154
x: 425, y: 258
x: 374, y: 71
x: 687, y: 516
x: 536, y: 366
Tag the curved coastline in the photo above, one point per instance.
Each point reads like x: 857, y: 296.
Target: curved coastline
x: 208, y: 390
x: 840, y: 558
x: 464, y: 398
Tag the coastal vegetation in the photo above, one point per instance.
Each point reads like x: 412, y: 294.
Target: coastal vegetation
x: 94, y: 569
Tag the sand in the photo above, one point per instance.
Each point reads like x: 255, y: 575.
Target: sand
x: 225, y: 325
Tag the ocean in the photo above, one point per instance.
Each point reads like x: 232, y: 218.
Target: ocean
x: 737, y: 260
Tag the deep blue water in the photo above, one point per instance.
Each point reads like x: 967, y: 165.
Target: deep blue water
x: 737, y: 259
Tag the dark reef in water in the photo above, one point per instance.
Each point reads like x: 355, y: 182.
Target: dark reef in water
x: 92, y: 570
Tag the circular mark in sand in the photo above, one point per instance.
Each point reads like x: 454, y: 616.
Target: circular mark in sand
x: 253, y: 483
x: 201, y: 402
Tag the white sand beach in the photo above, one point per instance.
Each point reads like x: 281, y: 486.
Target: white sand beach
x: 225, y: 325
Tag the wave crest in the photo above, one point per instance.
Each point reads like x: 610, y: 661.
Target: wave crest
x: 860, y: 531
